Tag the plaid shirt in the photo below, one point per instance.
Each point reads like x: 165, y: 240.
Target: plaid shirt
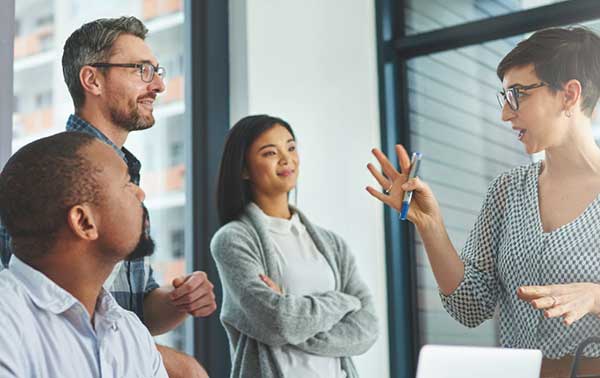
x: 135, y: 278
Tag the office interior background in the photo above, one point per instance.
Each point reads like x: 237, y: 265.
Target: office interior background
x: 349, y: 75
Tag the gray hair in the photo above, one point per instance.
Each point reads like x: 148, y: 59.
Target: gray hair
x: 92, y: 43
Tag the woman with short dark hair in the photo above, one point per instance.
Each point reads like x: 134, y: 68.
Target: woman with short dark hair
x: 534, y: 251
x: 293, y: 302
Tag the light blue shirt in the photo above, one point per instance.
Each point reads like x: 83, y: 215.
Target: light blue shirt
x: 45, y: 332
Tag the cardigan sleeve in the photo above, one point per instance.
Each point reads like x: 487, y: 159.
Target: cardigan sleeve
x: 475, y: 299
x: 256, y: 310
x: 357, y: 331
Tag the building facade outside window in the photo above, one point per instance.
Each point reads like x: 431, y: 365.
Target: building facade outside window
x: 42, y: 105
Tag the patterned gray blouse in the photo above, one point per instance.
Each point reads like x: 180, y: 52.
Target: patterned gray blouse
x: 508, y: 248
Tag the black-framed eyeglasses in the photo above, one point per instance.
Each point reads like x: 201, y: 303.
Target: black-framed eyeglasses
x: 147, y: 70
x: 511, y: 95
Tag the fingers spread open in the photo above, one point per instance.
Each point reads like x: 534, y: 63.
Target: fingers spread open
x: 403, y: 159
x: 387, y: 167
x: 382, y: 197
x: 384, y: 182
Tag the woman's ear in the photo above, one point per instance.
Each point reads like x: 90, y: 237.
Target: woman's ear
x: 572, y: 94
x: 82, y: 222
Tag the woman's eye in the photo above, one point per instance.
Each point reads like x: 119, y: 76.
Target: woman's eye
x: 269, y: 153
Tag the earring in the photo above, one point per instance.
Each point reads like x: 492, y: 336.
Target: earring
x: 568, y: 113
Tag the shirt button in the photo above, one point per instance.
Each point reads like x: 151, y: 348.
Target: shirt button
x: 114, y: 327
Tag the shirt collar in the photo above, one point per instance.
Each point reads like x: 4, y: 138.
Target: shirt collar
x: 78, y: 124
x: 107, y: 306
x: 47, y: 295
x: 279, y: 225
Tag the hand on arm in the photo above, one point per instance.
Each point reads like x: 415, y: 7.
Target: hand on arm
x: 424, y: 213
x: 357, y: 331
x: 166, y: 307
x: 272, y: 285
x: 260, y: 312
x: 569, y: 301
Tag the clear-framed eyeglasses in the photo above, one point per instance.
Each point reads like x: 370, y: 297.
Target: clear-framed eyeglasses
x: 512, y: 94
x: 147, y: 70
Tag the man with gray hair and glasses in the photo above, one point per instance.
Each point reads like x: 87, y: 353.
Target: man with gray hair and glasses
x: 114, y: 78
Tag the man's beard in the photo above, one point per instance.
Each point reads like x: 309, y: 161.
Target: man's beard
x: 130, y: 119
x: 145, y: 246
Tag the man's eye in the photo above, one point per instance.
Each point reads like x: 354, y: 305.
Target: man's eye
x: 292, y: 148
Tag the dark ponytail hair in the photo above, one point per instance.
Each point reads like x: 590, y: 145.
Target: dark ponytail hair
x: 233, y: 192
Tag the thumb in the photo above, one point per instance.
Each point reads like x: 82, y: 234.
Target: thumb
x: 178, y: 281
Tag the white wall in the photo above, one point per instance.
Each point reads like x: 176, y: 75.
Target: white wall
x: 313, y: 63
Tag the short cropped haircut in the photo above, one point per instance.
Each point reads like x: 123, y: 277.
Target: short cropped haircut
x: 559, y: 55
x: 38, y: 186
x: 93, y: 43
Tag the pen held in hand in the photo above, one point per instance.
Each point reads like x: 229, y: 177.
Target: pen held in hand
x: 415, y: 162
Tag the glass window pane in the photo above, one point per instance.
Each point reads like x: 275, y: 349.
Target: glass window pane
x: 43, y: 103
x: 428, y: 15
x: 455, y: 122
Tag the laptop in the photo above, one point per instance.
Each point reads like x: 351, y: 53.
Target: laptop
x: 438, y: 361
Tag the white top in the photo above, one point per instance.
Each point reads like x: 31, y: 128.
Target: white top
x: 305, y: 271
x: 45, y: 332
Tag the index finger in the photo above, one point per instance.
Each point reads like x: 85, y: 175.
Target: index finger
x: 533, y: 292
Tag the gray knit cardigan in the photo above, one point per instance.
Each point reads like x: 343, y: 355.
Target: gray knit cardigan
x: 338, y: 323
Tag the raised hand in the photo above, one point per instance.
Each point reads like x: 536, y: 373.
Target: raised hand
x: 424, y: 207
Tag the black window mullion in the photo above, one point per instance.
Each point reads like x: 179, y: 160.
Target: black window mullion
x: 207, y: 112
x: 399, y: 237
x: 504, y: 26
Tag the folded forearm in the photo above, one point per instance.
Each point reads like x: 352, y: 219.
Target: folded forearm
x: 292, y: 319
x: 351, y: 336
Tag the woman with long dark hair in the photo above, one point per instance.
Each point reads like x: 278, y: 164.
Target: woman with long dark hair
x: 293, y: 302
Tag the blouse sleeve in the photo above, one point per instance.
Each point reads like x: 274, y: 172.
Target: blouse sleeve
x: 475, y: 298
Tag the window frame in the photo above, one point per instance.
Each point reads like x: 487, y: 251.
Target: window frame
x: 207, y: 98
